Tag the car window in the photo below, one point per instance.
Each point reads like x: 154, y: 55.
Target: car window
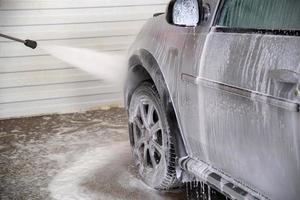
x: 261, y: 14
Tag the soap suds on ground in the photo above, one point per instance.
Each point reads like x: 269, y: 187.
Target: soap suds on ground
x: 82, y: 156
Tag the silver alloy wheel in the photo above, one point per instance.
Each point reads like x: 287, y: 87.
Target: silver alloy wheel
x: 150, y: 138
x: 148, y: 147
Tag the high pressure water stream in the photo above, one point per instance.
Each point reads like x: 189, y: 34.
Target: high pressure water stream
x: 108, y: 67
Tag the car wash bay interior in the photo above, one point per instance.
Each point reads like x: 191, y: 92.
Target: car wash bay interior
x: 37, y: 153
x: 32, y: 82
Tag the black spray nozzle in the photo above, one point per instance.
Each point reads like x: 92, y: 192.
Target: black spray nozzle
x: 29, y: 43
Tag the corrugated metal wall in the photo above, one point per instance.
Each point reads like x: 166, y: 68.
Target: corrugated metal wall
x: 32, y: 82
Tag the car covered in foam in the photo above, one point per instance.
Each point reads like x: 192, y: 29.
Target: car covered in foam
x: 212, y: 95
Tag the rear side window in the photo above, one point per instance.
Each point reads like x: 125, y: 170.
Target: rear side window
x: 261, y: 14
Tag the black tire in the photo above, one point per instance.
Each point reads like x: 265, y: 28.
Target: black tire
x: 159, y: 168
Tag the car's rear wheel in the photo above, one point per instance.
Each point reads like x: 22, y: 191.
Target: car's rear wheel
x: 152, y: 144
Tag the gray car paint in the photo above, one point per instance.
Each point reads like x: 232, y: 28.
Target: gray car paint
x: 232, y: 113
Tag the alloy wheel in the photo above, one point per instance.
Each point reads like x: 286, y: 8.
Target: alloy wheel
x: 148, y: 147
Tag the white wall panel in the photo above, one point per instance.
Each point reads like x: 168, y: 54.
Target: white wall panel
x: 31, y: 63
x: 75, y: 16
x: 74, y: 31
x: 59, y: 105
x: 32, y: 82
x: 69, y: 4
x: 13, y: 49
x: 52, y: 91
x: 21, y: 79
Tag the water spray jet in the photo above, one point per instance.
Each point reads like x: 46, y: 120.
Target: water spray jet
x: 29, y: 43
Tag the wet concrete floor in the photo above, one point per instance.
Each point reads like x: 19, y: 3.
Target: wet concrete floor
x: 82, y: 156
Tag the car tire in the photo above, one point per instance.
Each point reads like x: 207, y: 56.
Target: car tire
x: 152, y: 144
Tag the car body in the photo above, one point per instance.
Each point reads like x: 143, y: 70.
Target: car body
x: 232, y: 95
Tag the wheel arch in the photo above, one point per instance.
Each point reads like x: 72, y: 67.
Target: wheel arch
x: 144, y: 67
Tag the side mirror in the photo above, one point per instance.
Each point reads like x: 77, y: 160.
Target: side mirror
x: 187, y: 12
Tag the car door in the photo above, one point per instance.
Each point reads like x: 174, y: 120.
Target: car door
x: 248, y: 96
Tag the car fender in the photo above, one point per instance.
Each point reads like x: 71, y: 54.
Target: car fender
x: 143, y: 58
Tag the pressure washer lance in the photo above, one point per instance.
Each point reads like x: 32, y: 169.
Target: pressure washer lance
x: 29, y: 43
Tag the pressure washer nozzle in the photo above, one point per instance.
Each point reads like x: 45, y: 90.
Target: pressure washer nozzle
x: 30, y: 43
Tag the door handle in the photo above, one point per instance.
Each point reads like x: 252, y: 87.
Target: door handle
x: 285, y: 76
